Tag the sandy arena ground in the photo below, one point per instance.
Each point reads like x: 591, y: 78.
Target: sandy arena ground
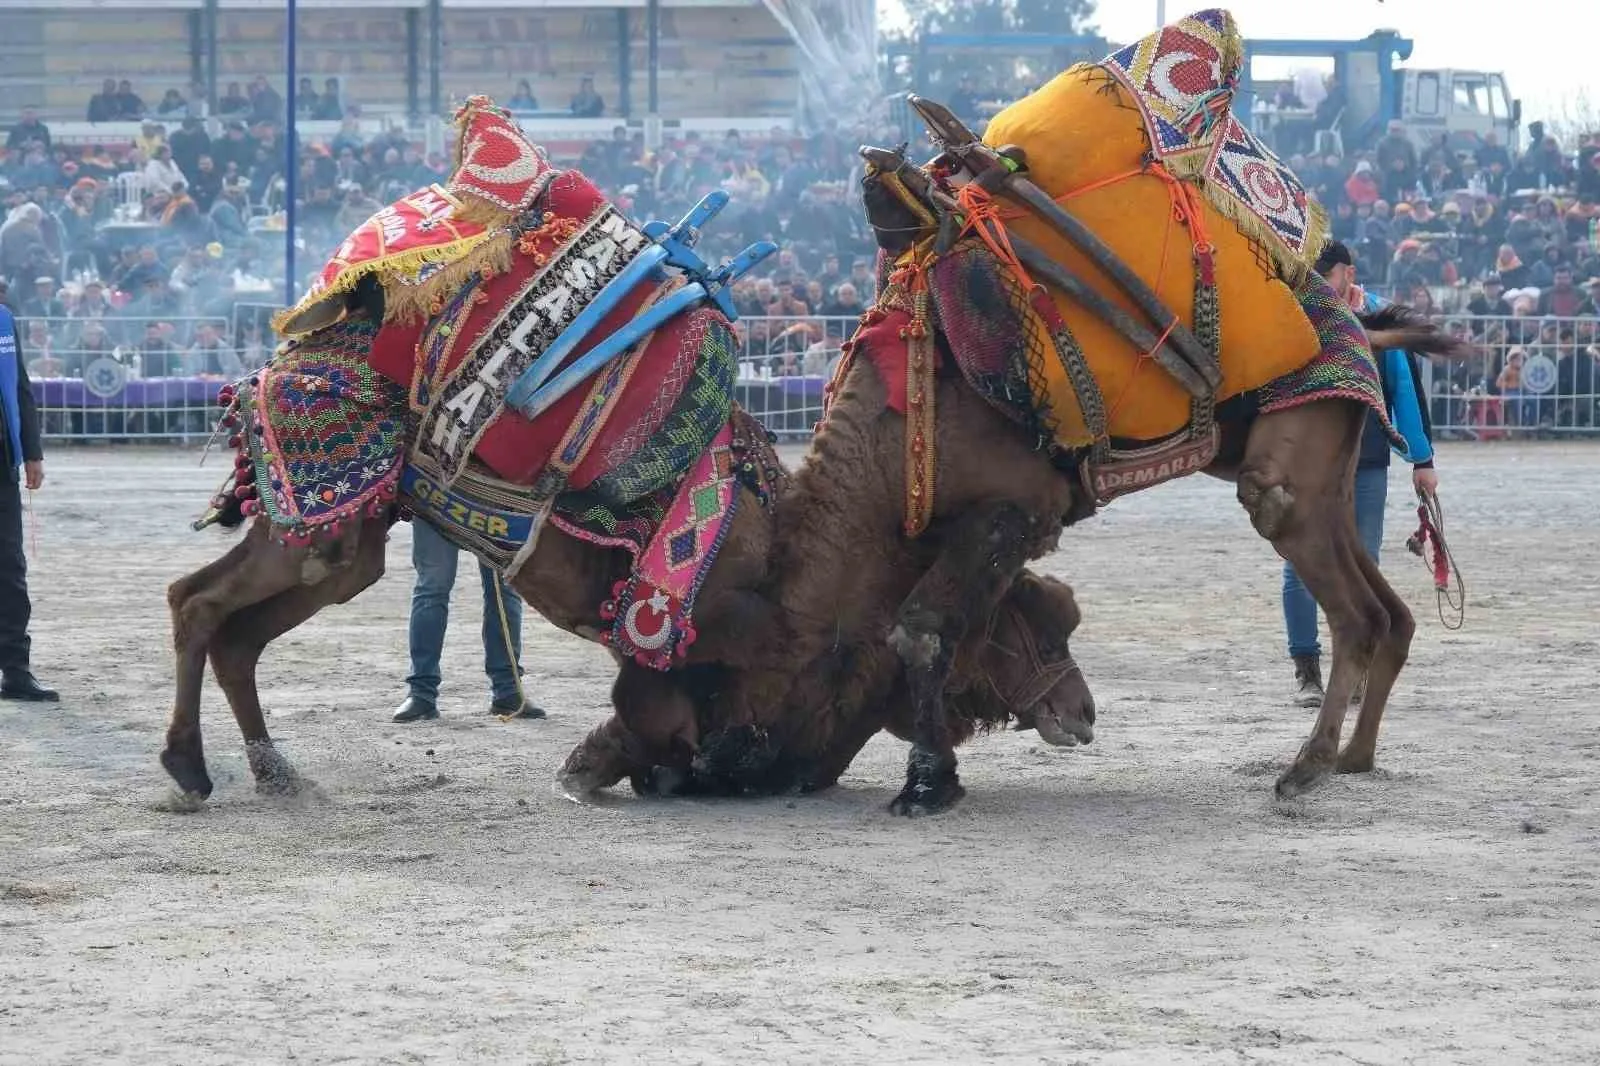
x: 1142, y: 900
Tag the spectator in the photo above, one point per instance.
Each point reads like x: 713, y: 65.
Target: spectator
x: 92, y: 304
x: 210, y: 355
x: 1362, y: 186
x: 237, y: 147
x: 1577, y: 377
x: 151, y: 135
x: 189, y: 143
x: 306, y: 99
x: 348, y: 170
x: 330, y: 105
x: 1397, y: 162
x: 42, y: 361
x: 18, y: 236
x: 234, y: 101
x: 1563, y: 298
x: 43, y: 304
x: 161, y: 173
x: 842, y: 310
x: 28, y: 131
x: 1490, y: 151
x: 586, y: 103
x: 356, y: 209
x: 1491, y: 301
x: 157, y: 358
x: 1509, y: 266
x: 265, y: 103
x: 103, y: 106
x: 229, y: 214
x: 523, y: 100
x: 129, y: 106
x: 1407, y: 268
x: 205, y: 184
x: 173, y: 105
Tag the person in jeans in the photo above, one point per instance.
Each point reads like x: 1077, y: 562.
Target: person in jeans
x: 435, y: 558
x: 1402, y: 393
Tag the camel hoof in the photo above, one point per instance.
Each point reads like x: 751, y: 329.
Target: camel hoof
x: 914, y: 803
x: 189, y: 772
x: 284, y: 786
x: 1355, y: 762
x: 178, y: 801
x: 579, y: 785
x: 1302, y: 776
x: 275, y: 775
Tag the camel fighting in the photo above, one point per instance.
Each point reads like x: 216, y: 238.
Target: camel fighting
x: 1109, y: 290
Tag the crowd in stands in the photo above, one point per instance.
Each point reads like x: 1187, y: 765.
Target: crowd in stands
x: 131, y: 246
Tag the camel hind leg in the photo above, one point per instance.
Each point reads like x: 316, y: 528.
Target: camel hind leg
x: 1296, y: 483
x: 236, y: 650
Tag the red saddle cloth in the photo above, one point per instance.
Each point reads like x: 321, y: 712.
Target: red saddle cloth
x: 512, y: 446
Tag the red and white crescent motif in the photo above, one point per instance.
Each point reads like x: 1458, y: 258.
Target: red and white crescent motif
x: 654, y: 641
x: 1166, y: 75
x: 524, y: 167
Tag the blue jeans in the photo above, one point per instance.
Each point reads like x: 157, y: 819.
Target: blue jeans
x: 1299, y: 609
x: 435, y: 560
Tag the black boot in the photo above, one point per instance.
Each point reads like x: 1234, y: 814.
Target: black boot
x: 515, y: 707
x: 1308, y: 681
x: 415, y: 709
x: 20, y: 685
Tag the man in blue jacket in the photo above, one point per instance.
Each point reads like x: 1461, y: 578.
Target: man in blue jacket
x: 1408, y: 410
x: 19, y: 446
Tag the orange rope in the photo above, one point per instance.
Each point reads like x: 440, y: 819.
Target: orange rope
x: 986, y: 219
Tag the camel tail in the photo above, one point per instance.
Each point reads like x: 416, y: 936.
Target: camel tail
x: 1399, y: 326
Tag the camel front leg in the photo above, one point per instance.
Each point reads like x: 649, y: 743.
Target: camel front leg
x: 983, y: 552
x: 236, y: 650
x: 253, y: 570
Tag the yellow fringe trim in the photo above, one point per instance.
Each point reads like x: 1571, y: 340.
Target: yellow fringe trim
x: 470, y: 208
x: 416, y: 303
x: 407, y: 262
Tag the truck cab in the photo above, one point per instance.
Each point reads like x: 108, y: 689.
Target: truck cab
x: 1464, y: 104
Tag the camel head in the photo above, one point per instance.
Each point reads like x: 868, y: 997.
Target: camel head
x: 1028, y: 662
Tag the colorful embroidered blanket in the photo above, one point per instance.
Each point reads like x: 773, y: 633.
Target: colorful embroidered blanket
x: 320, y: 435
x: 1344, y: 368
x: 1182, y: 79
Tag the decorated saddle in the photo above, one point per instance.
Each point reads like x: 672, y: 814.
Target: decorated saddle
x: 1115, y: 258
x: 536, y: 359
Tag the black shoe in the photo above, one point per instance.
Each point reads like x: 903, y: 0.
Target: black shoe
x: 1308, y: 681
x: 20, y: 685
x: 515, y: 707
x: 416, y: 709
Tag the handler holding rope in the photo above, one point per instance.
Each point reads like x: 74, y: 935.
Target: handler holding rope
x: 1403, y: 395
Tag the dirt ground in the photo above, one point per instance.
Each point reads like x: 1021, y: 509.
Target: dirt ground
x: 1141, y: 900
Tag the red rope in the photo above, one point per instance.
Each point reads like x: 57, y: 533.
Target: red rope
x: 1449, y: 589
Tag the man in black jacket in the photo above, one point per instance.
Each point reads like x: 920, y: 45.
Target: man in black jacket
x: 19, y: 446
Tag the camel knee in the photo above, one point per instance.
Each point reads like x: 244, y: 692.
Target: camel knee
x: 1402, y: 626
x: 1267, y: 504
x: 1362, y: 633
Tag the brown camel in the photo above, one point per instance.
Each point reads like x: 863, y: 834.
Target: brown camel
x: 858, y: 601
x: 231, y: 609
